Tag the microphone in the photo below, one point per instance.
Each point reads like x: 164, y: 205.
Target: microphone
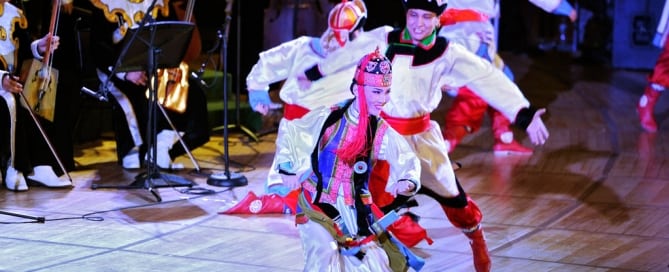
x: 94, y: 94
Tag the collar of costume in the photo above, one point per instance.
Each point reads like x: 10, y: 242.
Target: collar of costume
x: 426, y: 43
x: 131, y: 11
x: 10, y: 17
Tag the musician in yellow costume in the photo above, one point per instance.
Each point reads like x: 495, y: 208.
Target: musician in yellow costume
x: 24, y: 152
x: 110, y: 22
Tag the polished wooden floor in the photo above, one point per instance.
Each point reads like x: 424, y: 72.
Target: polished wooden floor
x: 594, y: 198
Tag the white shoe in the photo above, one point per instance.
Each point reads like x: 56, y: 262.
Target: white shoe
x: 163, y: 159
x: 44, y: 175
x: 177, y: 166
x: 15, y: 181
x: 164, y: 142
x: 131, y: 161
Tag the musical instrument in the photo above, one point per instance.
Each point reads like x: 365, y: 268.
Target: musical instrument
x: 9, y: 61
x: 186, y: 15
x: 40, y: 79
x: 172, y: 91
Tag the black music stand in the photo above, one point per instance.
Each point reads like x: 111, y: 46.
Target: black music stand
x: 156, y: 45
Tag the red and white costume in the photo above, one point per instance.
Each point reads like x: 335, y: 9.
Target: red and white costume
x: 468, y: 22
x: 658, y: 80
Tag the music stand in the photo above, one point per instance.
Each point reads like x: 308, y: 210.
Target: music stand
x: 156, y: 45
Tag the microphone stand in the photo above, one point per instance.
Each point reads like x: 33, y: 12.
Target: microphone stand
x: 38, y: 219
x: 226, y: 179
x: 226, y: 27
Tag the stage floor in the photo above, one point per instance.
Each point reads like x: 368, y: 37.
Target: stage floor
x: 594, y: 198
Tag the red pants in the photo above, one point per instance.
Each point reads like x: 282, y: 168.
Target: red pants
x: 660, y: 74
x: 468, y: 109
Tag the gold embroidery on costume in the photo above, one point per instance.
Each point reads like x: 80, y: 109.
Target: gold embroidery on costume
x: 132, y: 11
x: 10, y: 17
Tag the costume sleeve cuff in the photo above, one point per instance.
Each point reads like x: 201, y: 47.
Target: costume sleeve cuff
x: 33, y: 48
x: 121, y: 75
x: 563, y: 9
x: 313, y: 73
x: 524, y: 117
x: 2, y: 79
x: 285, y: 168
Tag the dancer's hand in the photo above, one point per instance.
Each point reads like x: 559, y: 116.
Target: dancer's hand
x: 402, y: 187
x: 536, y: 130
x: 292, y: 182
x: 259, y: 101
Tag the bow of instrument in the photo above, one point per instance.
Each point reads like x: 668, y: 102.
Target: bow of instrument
x: 40, y: 78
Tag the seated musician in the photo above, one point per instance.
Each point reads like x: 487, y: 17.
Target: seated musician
x: 25, y: 154
x: 128, y: 90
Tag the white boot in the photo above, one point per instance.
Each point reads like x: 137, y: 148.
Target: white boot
x: 15, y: 181
x: 44, y: 175
x: 164, y: 142
x: 131, y: 160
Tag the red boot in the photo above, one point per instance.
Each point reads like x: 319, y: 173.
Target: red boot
x: 468, y: 218
x: 645, y: 108
x: 504, y: 142
x: 512, y: 148
x: 252, y: 204
x: 479, y: 250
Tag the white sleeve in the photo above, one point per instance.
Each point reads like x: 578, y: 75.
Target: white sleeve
x: 404, y: 164
x: 296, y: 139
x: 485, y: 80
x: 274, y: 64
x: 352, y: 52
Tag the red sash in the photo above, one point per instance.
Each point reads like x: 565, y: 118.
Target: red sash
x: 292, y: 111
x: 408, y: 126
x: 454, y: 16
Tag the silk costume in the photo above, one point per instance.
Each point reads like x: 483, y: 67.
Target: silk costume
x: 294, y: 148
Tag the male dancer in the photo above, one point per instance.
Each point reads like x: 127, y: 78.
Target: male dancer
x: 468, y: 22
x: 658, y: 80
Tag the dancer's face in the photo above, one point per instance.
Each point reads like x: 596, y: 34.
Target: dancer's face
x: 420, y: 23
x: 376, y: 98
